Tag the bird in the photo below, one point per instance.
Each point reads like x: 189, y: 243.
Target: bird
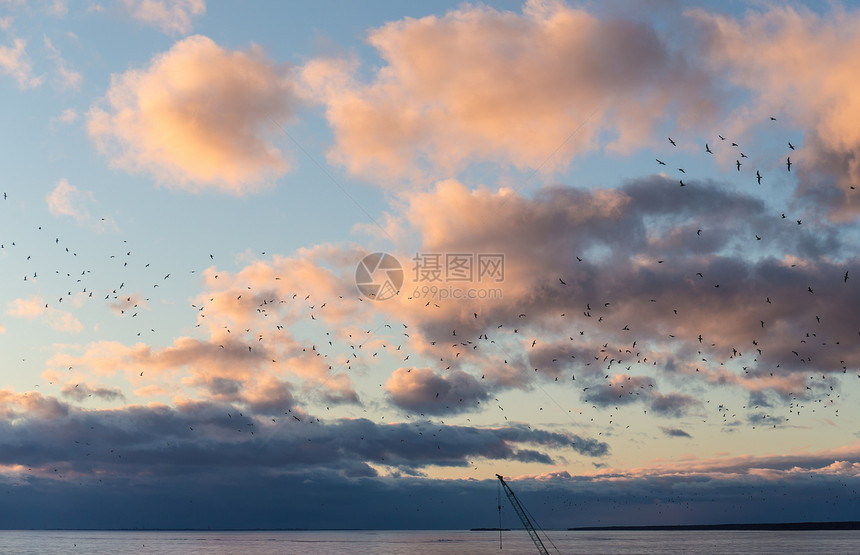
x: 671, y: 141
x: 708, y: 149
x: 758, y: 176
x: 791, y: 146
x: 561, y: 281
x: 661, y: 162
x: 738, y: 162
x: 682, y: 183
x: 788, y: 163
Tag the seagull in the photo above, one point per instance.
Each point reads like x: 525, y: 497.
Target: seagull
x: 661, y: 162
x: 791, y: 146
x: 738, y: 162
x: 788, y: 163
x: 561, y: 281
x: 671, y: 141
x: 708, y: 149
x: 721, y: 137
x: 758, y: 176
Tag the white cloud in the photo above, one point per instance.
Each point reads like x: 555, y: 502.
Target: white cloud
x: 15, y: 62
x: 69, y: 115
x: 68, y: 200
x: 172, y: 16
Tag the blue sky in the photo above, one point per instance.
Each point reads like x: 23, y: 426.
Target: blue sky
x: 190, y: 186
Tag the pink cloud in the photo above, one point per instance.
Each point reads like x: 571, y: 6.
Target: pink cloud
x: 15, y: 62
x: 35, y: 307
x: 531, y: 89
x: 801, y: 65
x: 198, y: 117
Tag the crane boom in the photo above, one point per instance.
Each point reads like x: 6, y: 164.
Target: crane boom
x: 521, y: 512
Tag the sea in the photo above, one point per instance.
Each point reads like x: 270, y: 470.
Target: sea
x: 21, y: 542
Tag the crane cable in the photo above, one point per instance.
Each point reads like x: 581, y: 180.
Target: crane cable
x: 499, y: 502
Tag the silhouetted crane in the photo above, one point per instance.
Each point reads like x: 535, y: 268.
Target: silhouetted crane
x: 521, y: 512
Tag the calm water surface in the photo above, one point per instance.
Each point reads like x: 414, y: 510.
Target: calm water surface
x: 425, y: 542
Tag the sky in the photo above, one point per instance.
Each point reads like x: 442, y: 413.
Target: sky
x: 337, y: 265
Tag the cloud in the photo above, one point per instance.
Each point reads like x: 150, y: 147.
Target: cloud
x: 531, y: 89
x: 68, y: 200
x: 69, y: 115
x: 197, y: 118
x: 800, y: 65
x: 57, y: 8
x: 59, y: 320
x: 68, y: 78
x: 127, y: 302
x: 423, y: 390
x: 171, y: 16
x: 645, y: 251
x: 15, y: 62
x: 675, y: 432
x: 80, y: 392
x: 225, y: 437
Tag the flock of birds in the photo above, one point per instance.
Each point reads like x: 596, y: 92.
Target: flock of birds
x: 598, y: 377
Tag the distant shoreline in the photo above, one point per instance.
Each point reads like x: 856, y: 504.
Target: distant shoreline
x: 773, y: 527
x: 777, y: 526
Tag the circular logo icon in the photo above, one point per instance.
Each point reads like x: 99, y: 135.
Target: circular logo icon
x: 379, y: 276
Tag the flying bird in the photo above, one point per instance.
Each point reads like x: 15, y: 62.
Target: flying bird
x: 671, y: 141
x: 708, y: 149
x: 788, y: 163
x: 661, y: 162
x: 791, y: 146
x: 758, y: 176
x: 738, y: 162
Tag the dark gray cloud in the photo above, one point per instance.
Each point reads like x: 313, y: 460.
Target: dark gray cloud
x: 177, y: 441
x: 675, y: 432
x: 317, y: 499
x: 81, y: 391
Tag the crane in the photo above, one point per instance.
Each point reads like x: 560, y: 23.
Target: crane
x: 521, y: 512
